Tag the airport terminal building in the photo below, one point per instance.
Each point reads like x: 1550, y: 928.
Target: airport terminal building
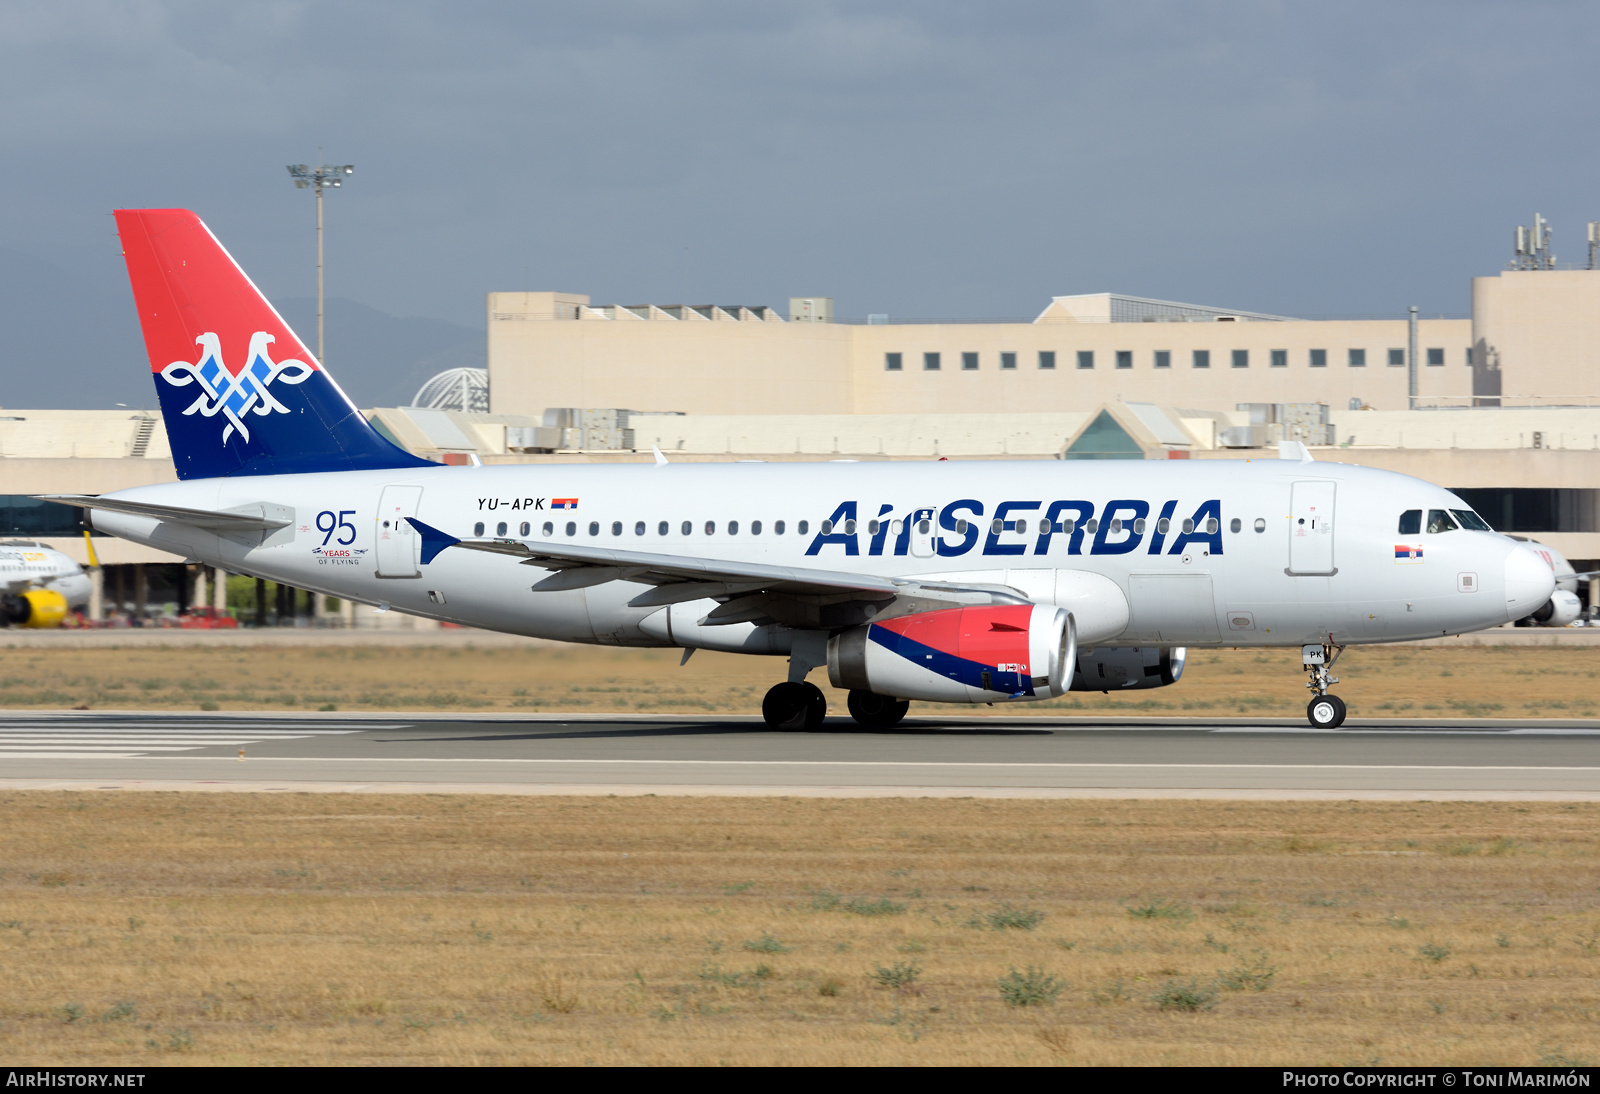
x: 1503, y: 406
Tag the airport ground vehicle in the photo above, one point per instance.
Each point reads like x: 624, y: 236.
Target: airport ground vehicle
x: 949, y: 582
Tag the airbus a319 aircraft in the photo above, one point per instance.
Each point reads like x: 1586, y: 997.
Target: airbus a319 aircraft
x: 39, y: 585
x: 966, y: 583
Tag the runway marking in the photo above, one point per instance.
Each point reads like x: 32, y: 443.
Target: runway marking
x: 890, y: 763
x: 119, y: 740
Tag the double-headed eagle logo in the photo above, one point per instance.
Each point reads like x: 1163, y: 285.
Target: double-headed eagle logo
x: 235, y: 395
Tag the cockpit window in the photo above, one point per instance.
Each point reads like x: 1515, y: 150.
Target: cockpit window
x: 1411, y: 522
x: 1439, y: 520
x: 1469, y: 519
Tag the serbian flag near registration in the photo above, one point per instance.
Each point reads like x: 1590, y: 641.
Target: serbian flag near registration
x: 1407, y: 553
x: 563, y: 503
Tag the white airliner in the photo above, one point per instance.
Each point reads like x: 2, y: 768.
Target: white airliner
x: 1563, y: 606
x: 950, y: 582
x: 38, y: 585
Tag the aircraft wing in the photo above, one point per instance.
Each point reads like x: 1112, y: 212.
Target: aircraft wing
x: 251, y: 518
x: 748, y: 591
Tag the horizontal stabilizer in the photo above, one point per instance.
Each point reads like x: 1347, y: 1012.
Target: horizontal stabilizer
x: 252, y: 518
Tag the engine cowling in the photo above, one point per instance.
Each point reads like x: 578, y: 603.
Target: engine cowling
x: 35, y: 608
x: 1129, y: 668
x: 1562, y: 608
x: 989, y: 654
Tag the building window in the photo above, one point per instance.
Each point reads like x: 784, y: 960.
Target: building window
x: 1202, y: 358
x: 1086, y: 358
x: 969, y: 362
x: 891, y: 362
x: 1436, y: 356
x: 1124, y: 358
x: 1163, y: 358
x: 1280, y: 358
x: 1319, y: 358
x: 930, y: 362
x: 1008, y: 361
x: 1047, y: 358
x: 1469, y: 356
x: 1397, y: 357
x: 1241, y: 358
x: 1358, y: 358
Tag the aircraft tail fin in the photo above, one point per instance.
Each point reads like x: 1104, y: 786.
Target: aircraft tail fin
x: 240, y: 393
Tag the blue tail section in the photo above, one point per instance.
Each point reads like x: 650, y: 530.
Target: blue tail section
x: 240, y: 393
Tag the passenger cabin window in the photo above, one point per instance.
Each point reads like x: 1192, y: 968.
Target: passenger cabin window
x: 755, y: 528
x: 616, y: 527
x: 1235, y: 525
x: 777, y: 527
x: 803, y: 528
x: 549, y: 529
x: 663, y: 528
x: 1469, y: 519
x: 688, y: 528
x: 1440, y: 521
x: 500, y: 529
x: 477, y: 529
x: 594, y: 528
x: 1411, y: 522
x: 733, y: 527
x: 827, y: 527
x: 711, y: 527
x: 638, y: 528
x: 572, y: 527
x: 526, y: 528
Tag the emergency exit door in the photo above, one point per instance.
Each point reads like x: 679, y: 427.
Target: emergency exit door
x: 397, y: 541
x: 1311, y: 528
x: 924, y: 532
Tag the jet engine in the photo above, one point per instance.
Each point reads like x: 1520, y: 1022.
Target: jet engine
x: 34, y: 608
x: 1128, y: 668
x: 988, y: 654
x: 1562, y: 608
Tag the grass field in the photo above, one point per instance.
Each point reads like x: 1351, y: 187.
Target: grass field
x: 1382, y: 681
x: 150, y: 928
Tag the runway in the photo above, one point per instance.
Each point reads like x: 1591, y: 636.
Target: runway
x: 958, y: 756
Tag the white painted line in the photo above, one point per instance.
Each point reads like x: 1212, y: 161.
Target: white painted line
x: 78, y: 750
x: 890, y: 763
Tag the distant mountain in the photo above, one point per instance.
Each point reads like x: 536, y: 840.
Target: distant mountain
x: 378, y: 359
x: 69, y: 338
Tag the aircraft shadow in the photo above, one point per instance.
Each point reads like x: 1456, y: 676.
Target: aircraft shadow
x: 724, y: 729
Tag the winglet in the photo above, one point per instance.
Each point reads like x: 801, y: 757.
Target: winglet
x: 660, y: 459
x: 1294, y: 450
x: 433, y: 540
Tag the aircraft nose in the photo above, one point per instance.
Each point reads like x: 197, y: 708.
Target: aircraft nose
x: 1529, y: 581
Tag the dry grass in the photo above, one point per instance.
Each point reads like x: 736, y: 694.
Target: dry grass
x: 1392, y: 681
x: 240, y: 929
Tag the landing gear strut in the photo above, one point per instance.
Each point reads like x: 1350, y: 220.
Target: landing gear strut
x: 794, y: 704
x: 1324, y: 711
x: 876, y: 711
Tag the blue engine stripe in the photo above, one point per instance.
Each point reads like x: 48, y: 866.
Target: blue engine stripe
x: 948, y: 665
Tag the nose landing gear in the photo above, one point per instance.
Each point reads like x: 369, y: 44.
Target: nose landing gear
x: 1324, y: 711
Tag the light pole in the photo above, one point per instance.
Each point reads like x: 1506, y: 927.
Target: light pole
x: 316, y: 178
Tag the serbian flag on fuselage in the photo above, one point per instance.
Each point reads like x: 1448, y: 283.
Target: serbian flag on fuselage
x: 563, y: 503
x: 1407, y: 553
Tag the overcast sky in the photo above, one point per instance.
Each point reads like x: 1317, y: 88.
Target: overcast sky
x: 924, y: 159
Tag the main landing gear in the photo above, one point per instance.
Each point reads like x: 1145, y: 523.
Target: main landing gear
x: 1324, y: 711
x: 794, y: 704
x: 874, y: 711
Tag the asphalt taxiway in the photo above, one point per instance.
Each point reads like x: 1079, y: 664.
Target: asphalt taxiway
x: 1010, y: 757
